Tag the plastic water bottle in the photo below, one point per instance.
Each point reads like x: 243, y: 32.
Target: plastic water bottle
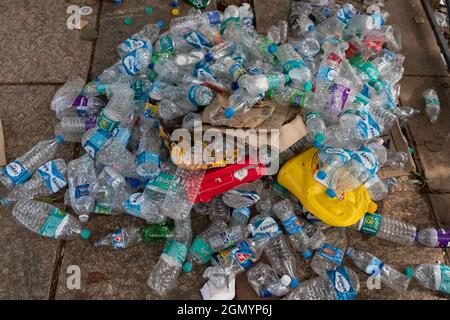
x: 265, y: 281
x: 308, y: 47
x: 118, y: 109
x: 234, y: 68
x: 148, y: 155
x: 114, y: 154
x: 156, y: 189
x: 246, y: 14
x: 218, y: 210
x: 284, y: 210
x: 77, y: 124
x: 282, y: 259
x: 244, y: 195
x: 81, y: 175
x: 220, y: 50
x: 201, y: 250
x: 293, y: 64
x: 339, y: 284
x: 142, y: 39
x: 240, y: 216
x: 316, y: 126
x: 331, y: 254
x: 197, y: 95
x: 170, y: 43
x: 48, y: 179
x: 432, y: 105
x: 138, y: 205
x: 240, y: 102
x: 189, y: 59
x: 387, y: 228
x: 259, y: 84
x: 123, y: 238
x: 435, y: 277
x: 432, y: 237
x: 169, y: 110
x: 48, y: 221
x: 94, y: 140
x: 164, y: 275
x: 105, y: 189
x: 373, y: 266
x: 21, y: 169
x: 379, y: 189
x: 292, y: 97
x: 191, y: 21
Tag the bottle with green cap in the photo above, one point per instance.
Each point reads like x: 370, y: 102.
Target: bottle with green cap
x: 432, y: 276
x: 48, y: 220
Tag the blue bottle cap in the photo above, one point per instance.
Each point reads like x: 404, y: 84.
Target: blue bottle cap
x: 134, y: 183
x: 100, y: 88
x: 321, y: 174
x: 59, y: 138
x: 331, y: 193
x: 85, y: 234
x: 294, y: 283
x: 151, y: 66
x: 4, y: 203
x: 308, y: 86
x: 272, y: 48
x: 307, y: 254
x: 208, y: 57
x: 160, y: 23
x: 310, y: 28
x: 234, y: 86
x: 174, y: 4
x: 229, y: 113
x: 187, y: 267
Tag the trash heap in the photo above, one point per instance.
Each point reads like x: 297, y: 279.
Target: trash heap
x: 340, y: 71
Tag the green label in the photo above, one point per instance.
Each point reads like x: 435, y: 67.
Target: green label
x: 106, y: 123
x: 444, y: 286
x: 292, y: 64
x: 176, y: 250
x: 201, y: 250
x: 166, y: 44
x: 52, y: 223
x: 102, y: 209
x: 274, y: 81
x: 165, y: 182
x: 371, y: 223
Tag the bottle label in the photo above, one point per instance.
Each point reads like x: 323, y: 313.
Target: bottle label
x: 298, y: 98
x: 53, y: 179
x: 164, y: 182
x: 196, y: 40
x: 89, y: 123
x: 367, y: 159
x: 374, y: 267
x: 80, y: 105
x: 367, y: 126
x: 230, y: 237
x: 213, y: 16
x: 16, y: 172
x: 365, y: 66
x: 331, y: 253
x: 51, y: 224
x: 133, y: 204
x: 106, y: 123
x: 166, y: 44
x: 338, y: 99
x: 150, y: 110
x: 101, y: 208
x: 243, y: 255
x: 293, y: 64
x: 371, y: 223
x: 117, y: 239
x: 176, y: 249
x: 341, y: 282
x: 274, y: 81
x: 201, y: 250
x: 147, y: 157
x: 191, y: 95
x: 292, y: 225
x: 132, y: 61
x: 123, y: 135
x: 236, y: 71
x: 443, y: 238
x: 81, y: 191
x: 343, y: 154
x: 326, y: 73
x: 444, y: 285
x: 132, y: 44
x: 242, y: 211
x: 266, y: 225
x: 95, y: 142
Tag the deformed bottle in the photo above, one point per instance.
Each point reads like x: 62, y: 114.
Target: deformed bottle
x: 432, y: 237
x: 148, y: 155
x: 434, y: 277
x: 331, y: 255
x: 265, y: 281
x: 432, y: 105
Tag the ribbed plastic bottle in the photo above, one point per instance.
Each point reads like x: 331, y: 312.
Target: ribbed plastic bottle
x: 105, y: 189
x: 435, y: 277
x: 148, y: 155
x: 331, y: 254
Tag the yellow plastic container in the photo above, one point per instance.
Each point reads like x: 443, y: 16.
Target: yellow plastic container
x: 297, y: 175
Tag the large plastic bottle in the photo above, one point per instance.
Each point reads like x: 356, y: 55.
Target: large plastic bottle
x: 265, y: 281
x: 106, y: 188
x: 339, y: 284
x: 240, y: 102
x: 282, y: 259
x: 48, y: 179
x: 293, y: 64
x: 387, y: 228
x: 142, y: 39
x: 434, y: 277
x: 118, y: 109
x: 197, y: 95
x: 48, y: 221
x: 21, y: 169
x: 261, y: 83
x: 164, y: 275
x: 332, y: 253
x: 138, y: 205
x: 373, y: 266
x: 148, y: 155
x: 432, y: 237
x: 114, y: 154
x: 284, y: 210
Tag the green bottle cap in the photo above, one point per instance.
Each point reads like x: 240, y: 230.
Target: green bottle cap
x: 187, y: 267
x: 85, y: 234
x: 128, y: 21
x: 149, y: 10
x: 409, y: 272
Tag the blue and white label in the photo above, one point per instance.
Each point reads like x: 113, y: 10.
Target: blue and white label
x: 292, y: 225
x: 367, y: 126
x: 266, y: 225
x: 213, y: 17
x: 147, y: 157
x: 16, y: 172
x: 243, y: 254
x: 95, y: 142
x: 132, y: 62
x: 52, y: 223
x: 331, y: 253
x: 132, y: 44
x: 367, y: 159
x: 192, y: 93
x: 117, y: 239
x: 196, y: 40
x: 123, y: 135
x: 341, y: 283
x: 53, y: 179
x: 328, y: 74
x: 133, y: 204
x: 82, y: 190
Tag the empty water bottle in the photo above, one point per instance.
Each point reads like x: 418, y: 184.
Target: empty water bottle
x: 375, y: 267
x: 240, y: 102
x: 240, y: 216
x: 244, y: 195
x: 105, y: 189
x: 432, y: 105
x: 138, y: 205
x: 118, y: 109
x: 432, y: 237
x: 331, y: 254
x: 282, y: 259
x: 434, y: 277
x: 142, y: 39
x: 265, y: 281
x: 114, y: 154
x: 77, y: 124
x: 48, y: 221
x: 148, y: 155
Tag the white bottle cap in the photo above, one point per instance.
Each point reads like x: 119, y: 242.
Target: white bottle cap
x: 285, y: 280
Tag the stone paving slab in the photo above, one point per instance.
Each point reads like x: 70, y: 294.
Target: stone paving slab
x: 112, y: 30
x: 269, y: 12
x: 430, y: 139
x: 441, y: 205
x: 27, y: 259
x: 37, y: 46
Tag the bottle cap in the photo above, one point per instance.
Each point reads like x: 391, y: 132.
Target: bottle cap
x: 149, y: 10
x: 350, y: 251
x: 151, y: 66
x: 294, y: 283
x: 187, y: 267
x: 285, y: 280
x: 100, y: 88
x: 272, y: 48
x: 59, y: 138
x: 409, y: 272
x: 174, y: 4
x: 175, y: 11
x: 307, y: 254
x: 4, y: 202
x: 128, y: 21
x: 85, y: 234
x: 310, y: 28
x: 321, y: 174
x: 229, y: 113
x: 83, y: 218
x: 308, y: 86
x: 208, y: 57
x: 331, y: 193
x: 234, y: 86
x: 160, y: 23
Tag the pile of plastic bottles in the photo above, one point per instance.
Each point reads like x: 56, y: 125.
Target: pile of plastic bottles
x: 341, y: 70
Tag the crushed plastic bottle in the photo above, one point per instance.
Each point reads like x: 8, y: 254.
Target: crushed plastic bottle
x: 432, y: 105
x: 434, y: 277
x: 432, y: 237
x: 331, y: 254
x: 265, y: 281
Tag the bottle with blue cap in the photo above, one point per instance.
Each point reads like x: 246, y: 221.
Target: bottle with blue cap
x: 21, y: 169
x: 373, y: 266
x: 48, y: 221
x: 331, y: 254
x: 220, y: 50
x: 240, y: 102
x: 266, y: 283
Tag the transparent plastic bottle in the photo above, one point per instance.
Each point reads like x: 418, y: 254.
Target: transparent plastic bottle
x: 432, y: 105
x: 373, y: 266
x: 48, y: 221
x: 157, y: 188
x: 244, y: 195
x: 138, y: 205
x: 331, y: 254
x: 284, y: 210
x: 378, y: 189
x: 339, y: 284
x: 282, y: 259
x: 142, y: 39
x: 148, y: 155
x: 293, y: 64
x: 240, y: 101
x: 240, y: 216
x: 114, y: 154
x: 212, y: 18
x: 105, y: 189
x: 387, y: 228
x: 74, y: 137
x: 259, y: 84
x: 118, y: 109
x: 435, y: 277
x: 292, y: 96
x: 220, y: 50
x: 48, y: 179
x: 164, y: 275
x: 265, y: 281
x: 432, y: 237
x: 77, y: 124
x: 21, y: 169
x: 189, y: 59
x: 308, y: 47
x: 234, y: 68
x: 197, y: 95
